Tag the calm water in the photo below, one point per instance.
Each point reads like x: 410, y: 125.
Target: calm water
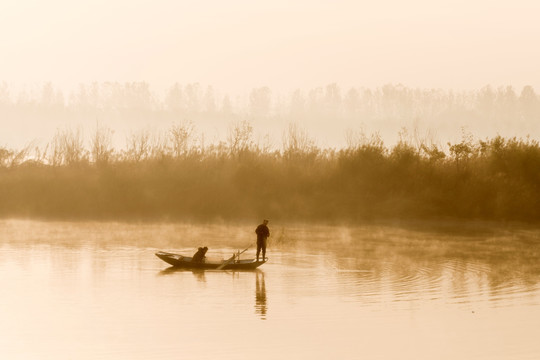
x: 96, y: 291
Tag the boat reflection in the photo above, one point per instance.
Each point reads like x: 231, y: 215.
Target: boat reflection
x: 261, y: 305
x: 198, y: 273
x: 260, y: 295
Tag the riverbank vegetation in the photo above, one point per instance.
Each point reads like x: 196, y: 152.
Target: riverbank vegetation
x: 176, y: 176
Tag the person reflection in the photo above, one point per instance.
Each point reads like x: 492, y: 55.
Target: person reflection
x: 260, y: 295
x: 199, y: 275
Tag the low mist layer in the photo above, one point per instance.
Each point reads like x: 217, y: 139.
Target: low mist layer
x: 327, y: 111
x: 177, y: 178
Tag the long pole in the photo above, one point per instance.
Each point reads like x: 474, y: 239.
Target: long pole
x: 227, y: 262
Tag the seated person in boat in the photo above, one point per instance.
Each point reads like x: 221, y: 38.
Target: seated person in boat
x: 200, y: 255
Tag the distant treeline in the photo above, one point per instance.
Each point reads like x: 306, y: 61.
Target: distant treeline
x: 488, y: 110
x: 177, y: 178
x: 136, y: 100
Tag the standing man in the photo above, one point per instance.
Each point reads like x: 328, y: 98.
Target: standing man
x: 262, y: 234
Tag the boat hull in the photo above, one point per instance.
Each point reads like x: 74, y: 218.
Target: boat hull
x: 180, y: 261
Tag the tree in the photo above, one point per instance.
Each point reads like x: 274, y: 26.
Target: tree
x: 332, y: 99
x: 101, y: 145
x: 209, y: 100
x: 181, y: 136
x: 240, y: 137
x: 192, y: 93
x: 529, y: 104
x: 352, y: 102
x: 259, y: 102
x: 226, y: 106
x: 174, y: 100
x: 485, y: 102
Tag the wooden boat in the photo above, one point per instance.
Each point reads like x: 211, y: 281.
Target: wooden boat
x: 181, y: 261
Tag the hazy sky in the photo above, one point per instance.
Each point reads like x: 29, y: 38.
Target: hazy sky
x: 236, y: 45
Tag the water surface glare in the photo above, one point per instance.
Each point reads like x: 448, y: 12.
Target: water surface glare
x: 96, y: 291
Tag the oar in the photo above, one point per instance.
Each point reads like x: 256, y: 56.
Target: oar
x: 227, y: 262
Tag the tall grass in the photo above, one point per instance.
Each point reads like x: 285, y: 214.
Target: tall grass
x: 177, y: 176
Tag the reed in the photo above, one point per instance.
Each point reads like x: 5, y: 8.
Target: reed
x: 174, y: 176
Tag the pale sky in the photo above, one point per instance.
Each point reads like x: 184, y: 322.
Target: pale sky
x: 236, y: 45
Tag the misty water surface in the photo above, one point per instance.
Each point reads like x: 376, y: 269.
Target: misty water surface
x: 96, y: 291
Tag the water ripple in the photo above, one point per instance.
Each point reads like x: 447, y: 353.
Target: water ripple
x: 453, y: 281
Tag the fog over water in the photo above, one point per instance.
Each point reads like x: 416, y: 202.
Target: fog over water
x: 95, y: 290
